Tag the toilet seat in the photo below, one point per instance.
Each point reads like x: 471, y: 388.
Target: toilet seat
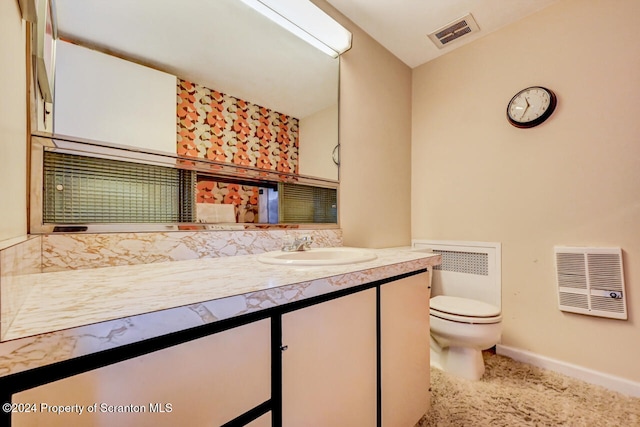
x: 464, y: 310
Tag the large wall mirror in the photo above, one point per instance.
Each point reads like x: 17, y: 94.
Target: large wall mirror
x: 221, y: 50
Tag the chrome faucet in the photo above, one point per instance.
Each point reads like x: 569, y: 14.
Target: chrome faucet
x: 297, y: 244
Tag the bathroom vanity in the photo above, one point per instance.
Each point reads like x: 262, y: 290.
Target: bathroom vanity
x: 224, y: 341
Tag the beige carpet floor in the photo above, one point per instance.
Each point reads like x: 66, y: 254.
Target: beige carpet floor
x: 517, y: 394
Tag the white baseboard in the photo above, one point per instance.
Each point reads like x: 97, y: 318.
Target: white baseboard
x: 611, y: 382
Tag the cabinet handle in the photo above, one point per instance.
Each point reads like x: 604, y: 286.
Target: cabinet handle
x: 284, y: 347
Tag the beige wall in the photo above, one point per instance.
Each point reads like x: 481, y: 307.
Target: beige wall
x: 574, y: 180
x: 13, y: 122
x: 318, y: 133
x: 375, y: 143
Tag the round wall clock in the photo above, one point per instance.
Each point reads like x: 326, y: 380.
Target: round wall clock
x: 531, y: 106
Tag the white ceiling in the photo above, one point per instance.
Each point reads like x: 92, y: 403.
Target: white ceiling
x: 188, y: 38
x: 402, y: 25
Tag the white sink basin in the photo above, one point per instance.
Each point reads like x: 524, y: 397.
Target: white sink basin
x: 318, y: 256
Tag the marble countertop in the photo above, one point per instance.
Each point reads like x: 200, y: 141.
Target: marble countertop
x: 72, y: 299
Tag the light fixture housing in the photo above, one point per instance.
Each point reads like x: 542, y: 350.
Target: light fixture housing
x: 307, y: 21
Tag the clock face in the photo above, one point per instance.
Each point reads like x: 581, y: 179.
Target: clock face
x: 531, y: 106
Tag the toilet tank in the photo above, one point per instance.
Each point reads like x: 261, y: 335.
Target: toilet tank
x: 468, y: 270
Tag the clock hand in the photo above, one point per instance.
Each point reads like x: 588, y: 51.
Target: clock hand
x: 525, y: 108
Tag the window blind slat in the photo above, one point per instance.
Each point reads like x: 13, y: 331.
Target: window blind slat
x: 307, y: 204
x: 81, y: 190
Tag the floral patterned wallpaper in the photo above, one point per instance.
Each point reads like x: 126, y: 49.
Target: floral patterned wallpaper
x: 219, y: 127
x: 243, y: 197
x: 223, y: 128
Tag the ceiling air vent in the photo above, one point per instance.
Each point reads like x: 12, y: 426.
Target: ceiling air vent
x: 454, y: 30
x: 590, y: 281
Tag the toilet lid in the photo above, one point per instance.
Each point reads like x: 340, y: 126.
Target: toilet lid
x: 463, y: 307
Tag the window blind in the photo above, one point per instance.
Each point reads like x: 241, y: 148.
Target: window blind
x: 307, y: 204
x: 80, y: 190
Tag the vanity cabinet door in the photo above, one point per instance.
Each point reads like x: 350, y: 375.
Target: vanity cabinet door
x: 329, y: 366
x: 205, y: 382
x: 404, y: 329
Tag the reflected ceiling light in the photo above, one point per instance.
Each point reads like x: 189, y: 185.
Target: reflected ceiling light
x: 307, y: 21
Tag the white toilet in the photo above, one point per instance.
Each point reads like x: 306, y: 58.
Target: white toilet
x: 465, y: 308
x: 460, y: 329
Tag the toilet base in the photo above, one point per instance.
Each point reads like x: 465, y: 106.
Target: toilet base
x: 463, y: 362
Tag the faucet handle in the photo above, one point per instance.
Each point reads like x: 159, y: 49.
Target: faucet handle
x: 288, y: 242
x: 307, y: 240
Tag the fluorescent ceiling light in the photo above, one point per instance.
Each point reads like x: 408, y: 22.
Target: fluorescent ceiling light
x: 307, y: 21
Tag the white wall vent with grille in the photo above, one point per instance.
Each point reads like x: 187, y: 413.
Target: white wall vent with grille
x: 591, y: 281
x: 454, y: 30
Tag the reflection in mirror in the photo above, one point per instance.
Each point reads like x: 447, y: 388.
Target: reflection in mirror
x: 248, y: 91
x: 218, y: 201
x: 82, y: 186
